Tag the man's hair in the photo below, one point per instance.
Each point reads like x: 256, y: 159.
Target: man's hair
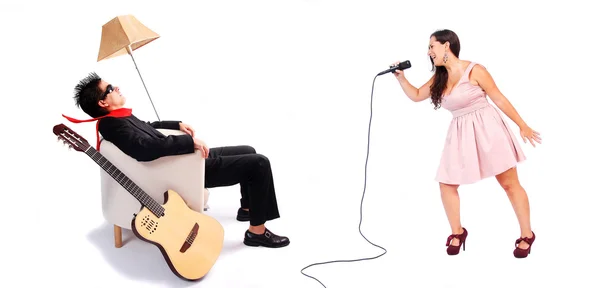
x: 87, y: 95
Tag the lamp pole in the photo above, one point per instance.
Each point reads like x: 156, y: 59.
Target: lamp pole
x: 138, y: 70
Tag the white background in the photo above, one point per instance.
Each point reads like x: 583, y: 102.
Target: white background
x: 293, y: 79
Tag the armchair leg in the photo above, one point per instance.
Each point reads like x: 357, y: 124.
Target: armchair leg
x: 118, y: 237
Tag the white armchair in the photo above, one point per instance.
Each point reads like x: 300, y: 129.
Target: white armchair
x: 182, y: 173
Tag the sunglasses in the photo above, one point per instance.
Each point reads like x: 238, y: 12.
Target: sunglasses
x: 109, y: 89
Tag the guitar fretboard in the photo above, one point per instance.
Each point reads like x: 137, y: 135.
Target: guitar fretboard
x: 122, y: 179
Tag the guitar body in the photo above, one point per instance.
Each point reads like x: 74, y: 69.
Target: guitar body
x: 189, y: 241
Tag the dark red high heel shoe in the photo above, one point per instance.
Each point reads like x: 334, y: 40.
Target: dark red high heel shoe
x: 522, y: 253
x: 462, y: 238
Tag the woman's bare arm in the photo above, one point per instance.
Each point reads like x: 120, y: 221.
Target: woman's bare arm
x: 415, y: 94
x: 486, y: 82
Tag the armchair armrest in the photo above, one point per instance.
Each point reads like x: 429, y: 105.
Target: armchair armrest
x: 183, y: 174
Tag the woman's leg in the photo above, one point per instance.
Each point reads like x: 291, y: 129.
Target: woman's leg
x: 509, y: 181
x: 451, y: 202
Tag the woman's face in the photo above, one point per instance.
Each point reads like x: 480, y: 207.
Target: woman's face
x: 436, y: 51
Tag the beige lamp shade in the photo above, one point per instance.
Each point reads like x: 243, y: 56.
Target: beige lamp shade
x: 123, y: 35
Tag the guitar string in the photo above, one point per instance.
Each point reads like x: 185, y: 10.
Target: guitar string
x: 152, y: 202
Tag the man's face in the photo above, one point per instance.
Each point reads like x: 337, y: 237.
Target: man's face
x: 112, y: 96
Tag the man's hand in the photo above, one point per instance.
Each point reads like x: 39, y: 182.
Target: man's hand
x: 186, y: 128
x: 200, y: 145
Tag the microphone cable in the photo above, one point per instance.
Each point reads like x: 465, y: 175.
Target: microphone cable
x: 361, y: 204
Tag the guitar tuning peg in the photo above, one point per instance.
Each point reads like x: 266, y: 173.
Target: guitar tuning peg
x: 58, y: 139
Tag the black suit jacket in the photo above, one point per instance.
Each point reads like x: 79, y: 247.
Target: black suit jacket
x: 141, y: 141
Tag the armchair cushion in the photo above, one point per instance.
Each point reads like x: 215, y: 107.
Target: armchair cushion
x: 183, y: 174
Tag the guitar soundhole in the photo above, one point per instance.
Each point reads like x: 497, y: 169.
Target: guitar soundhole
x: 149, y: 224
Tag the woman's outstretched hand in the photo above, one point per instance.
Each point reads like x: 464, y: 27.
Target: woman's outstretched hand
x: 529, y: 134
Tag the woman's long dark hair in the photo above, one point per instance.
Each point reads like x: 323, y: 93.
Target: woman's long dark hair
x: 440, y: 78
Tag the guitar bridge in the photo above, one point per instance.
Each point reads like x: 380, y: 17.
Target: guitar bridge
x: 190, y: 238
x: 149, y: 224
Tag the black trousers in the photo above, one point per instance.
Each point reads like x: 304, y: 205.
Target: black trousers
x: 227, y: 166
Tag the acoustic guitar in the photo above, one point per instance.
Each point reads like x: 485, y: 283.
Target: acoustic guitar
x: 189, y: 241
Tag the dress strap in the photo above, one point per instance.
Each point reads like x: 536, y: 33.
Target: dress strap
x: 468, y: 70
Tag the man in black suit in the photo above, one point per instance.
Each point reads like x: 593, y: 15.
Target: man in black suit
x: 225, y: 166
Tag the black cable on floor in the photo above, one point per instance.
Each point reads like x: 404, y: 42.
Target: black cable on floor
x: 361, y: 205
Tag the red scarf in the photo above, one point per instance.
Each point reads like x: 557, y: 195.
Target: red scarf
x: 117, y: 113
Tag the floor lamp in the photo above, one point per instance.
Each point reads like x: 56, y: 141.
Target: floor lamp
x: 125, y: 34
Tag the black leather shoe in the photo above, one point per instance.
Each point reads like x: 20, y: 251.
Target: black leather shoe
x: 243, y: 215
x: 268, y: 239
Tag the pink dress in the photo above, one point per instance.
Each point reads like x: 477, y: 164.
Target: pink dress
x: 479, y: 143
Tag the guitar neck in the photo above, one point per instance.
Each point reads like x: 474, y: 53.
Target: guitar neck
x: 122, y: 179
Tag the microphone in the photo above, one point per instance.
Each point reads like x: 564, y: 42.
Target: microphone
x: 401, y: 66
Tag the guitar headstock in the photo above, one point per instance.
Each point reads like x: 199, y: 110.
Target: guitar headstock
x: 70, y: 137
